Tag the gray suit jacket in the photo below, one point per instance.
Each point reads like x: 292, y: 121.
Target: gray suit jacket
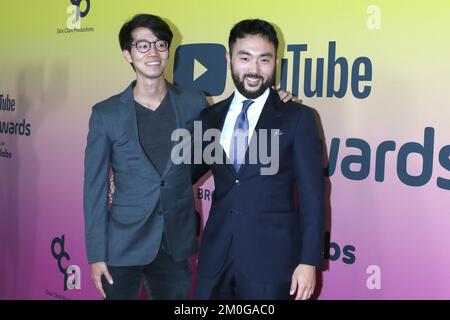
x: 144, y: 203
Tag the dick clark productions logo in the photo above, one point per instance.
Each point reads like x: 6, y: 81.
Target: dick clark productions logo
x: 74, y: 20
x: 72, y: 273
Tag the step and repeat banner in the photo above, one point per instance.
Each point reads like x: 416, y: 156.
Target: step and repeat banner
x: 376, y: 72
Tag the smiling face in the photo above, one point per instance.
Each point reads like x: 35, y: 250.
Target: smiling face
x: 149, y: 65
x: 252, y: 63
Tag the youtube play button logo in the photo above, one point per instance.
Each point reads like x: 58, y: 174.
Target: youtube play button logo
x: 201, y: 66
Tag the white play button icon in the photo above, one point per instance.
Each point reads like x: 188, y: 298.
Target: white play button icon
x: 199, y: 69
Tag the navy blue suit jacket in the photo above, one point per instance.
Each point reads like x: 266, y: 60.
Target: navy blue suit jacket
x: 268, y: 223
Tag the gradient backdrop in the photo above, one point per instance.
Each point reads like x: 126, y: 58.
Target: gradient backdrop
x: 387, y: 239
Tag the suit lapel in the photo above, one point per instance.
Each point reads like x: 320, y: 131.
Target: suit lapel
x: 221, y: 112
x: 268, y: 119
x: 270, y: 113
x: 175, y: 102
x: 129, y: 113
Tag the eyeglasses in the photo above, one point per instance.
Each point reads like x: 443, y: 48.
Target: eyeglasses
x: 143, y: 46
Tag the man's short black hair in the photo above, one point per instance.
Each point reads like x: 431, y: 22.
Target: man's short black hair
x: 157, y: 25
x: 252, y: 27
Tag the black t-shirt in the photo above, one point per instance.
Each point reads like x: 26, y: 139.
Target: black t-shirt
x: 155, y: 129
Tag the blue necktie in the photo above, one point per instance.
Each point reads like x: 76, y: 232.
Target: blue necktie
x: 239, y: 140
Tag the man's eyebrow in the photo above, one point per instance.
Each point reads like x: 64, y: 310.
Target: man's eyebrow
x: 265, y: 54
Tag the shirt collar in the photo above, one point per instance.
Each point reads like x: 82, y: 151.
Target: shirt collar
x: 239, y: 98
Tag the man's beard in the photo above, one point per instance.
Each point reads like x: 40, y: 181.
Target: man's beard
x: 240, y: 85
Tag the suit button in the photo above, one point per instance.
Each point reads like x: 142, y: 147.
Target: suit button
x: 159, y: 212
x: 231, y: 210
x: 162, y: 183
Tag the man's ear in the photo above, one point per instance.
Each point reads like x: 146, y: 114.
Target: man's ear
x: 127, y: 56
x: 228, y: 57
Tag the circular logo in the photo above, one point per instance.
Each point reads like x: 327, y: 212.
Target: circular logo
x: 78, y: 2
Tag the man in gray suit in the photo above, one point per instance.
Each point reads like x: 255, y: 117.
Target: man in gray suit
x: 149, y: 232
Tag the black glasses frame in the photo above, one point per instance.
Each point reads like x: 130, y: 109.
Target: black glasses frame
x: 150, y: 45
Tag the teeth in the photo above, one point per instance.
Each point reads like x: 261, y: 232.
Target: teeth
x: 152, y: 63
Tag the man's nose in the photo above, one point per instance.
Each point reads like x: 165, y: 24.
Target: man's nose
x: 152, y: 50
x: 254, y: 67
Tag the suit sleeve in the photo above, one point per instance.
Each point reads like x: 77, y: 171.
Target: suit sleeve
x: 96, y: 183
x: 308, y: 161
x: 198, y: 170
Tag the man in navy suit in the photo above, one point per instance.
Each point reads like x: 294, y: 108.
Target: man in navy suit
x: 150, y: 230
x: 264, y: 235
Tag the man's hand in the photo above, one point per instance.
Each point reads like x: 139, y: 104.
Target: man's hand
x: 97, y: 270
x: 286, y: 96
x: 303, y: 281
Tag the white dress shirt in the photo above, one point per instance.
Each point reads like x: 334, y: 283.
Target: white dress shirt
x: 253, y: 113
